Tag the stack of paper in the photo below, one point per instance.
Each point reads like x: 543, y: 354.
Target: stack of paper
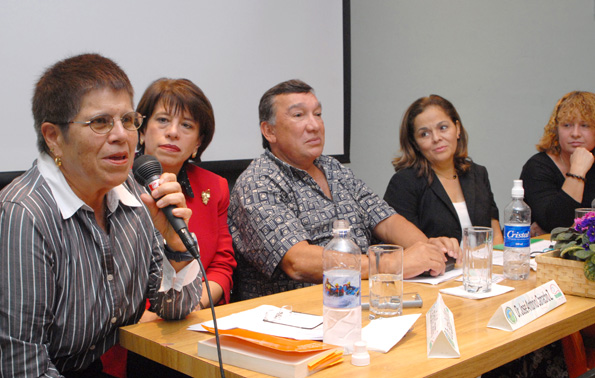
x: 276, y: 356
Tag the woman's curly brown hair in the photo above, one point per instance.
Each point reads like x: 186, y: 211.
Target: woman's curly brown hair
x: 583, y: 102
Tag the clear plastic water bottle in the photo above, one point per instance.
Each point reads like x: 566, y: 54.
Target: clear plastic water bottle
x: 342, y: 309
x: 517, y: 235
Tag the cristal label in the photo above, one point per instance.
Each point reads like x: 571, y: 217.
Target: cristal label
x: 517, y: 236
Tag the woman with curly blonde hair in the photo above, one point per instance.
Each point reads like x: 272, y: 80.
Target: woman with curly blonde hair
x: 561, y: 178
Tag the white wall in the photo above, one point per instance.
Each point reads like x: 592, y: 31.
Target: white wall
x: 233, y: 49
x: 503, y: 64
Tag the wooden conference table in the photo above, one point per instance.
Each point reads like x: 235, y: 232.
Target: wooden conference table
x: 481, y: 348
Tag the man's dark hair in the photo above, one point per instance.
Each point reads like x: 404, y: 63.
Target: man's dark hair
x: 266, y: 108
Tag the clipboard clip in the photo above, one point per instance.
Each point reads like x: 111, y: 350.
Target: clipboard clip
x: 287, y: 317
x: 277, y: 316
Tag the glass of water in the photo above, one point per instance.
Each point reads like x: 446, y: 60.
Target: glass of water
x: 386, y: 280
x: 477, y: 259
x: 582, y: 211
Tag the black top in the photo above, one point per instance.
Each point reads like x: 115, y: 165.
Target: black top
x: 431, y: 210
x: 552, y: 207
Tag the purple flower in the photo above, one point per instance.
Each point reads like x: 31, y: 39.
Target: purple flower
x: 587, y: 221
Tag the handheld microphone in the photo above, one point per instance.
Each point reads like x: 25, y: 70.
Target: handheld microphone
x: 147, y: 171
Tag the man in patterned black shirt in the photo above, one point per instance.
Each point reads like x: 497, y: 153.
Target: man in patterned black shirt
x: 283, y: 205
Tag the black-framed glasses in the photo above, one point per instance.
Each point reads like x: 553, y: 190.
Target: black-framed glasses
x: 104, y: 123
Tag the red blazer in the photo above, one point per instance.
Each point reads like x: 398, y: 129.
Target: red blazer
x: 209, y: 224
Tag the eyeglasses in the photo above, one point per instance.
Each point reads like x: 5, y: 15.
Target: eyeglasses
x: 104, y: 123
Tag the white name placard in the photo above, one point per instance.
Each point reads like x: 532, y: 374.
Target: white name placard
x: 440, y: 331
x: 527, y: 307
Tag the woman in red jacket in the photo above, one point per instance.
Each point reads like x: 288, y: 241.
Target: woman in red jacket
x: 179, y: 126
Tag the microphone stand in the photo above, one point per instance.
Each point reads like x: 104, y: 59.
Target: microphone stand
x: 194, y: 251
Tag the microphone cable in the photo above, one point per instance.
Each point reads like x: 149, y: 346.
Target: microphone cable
x: 196, y: 255
x: 147, y: 170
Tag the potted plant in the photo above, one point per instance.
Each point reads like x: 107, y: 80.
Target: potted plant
x: 578, y: 242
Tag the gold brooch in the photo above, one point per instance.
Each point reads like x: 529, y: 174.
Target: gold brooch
x: 206, y: 196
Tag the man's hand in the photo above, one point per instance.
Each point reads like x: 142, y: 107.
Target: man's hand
x: 169, y: 192
x: 422, y: 257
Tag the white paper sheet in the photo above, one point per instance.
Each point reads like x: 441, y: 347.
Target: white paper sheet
x: 436, y: 280
x: 382, y: 334
x: 459, y: 291
x: 540, y: 246
x: 253, y: 320
x: 496, y: 278
x: 498, y: 259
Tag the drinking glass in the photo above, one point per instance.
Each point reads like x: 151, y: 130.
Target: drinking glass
x: 582, y: 211
x: 386, y: 280
x: 477, y: 259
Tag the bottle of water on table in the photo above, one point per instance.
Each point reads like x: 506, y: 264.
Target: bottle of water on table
x: 342, y: 310
x: 517, y: 235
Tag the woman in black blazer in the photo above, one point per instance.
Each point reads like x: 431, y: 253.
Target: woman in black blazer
x: 437, y: 187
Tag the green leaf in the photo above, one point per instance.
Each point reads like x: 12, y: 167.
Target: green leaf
x: 583, y: 255
x: 567, y: 236
x: 554, y: 235
x: 571, y: 250
x: 563, y: 245
x: 589, y: 269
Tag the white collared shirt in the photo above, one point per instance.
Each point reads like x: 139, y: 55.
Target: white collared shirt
x: 69, y: 203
